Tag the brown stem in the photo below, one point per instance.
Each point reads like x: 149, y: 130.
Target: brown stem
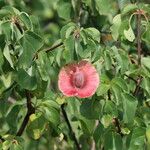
x: 53, y: 47
x: 109, y: 94
x: 70, y: 128
x: 135, y: 93
x: 131, y: 78
x: 19, y: 27
x: 117, y: 125
x: 48, y: 50
x: 30, y: 110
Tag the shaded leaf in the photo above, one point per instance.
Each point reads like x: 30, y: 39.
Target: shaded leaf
x: 25, y: 80
x: 30, y: 43
x: 129, y: 103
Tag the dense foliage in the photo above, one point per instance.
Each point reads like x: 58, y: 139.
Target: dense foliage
x: 39, y: 37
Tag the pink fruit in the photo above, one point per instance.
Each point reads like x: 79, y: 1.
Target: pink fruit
x: 79, y: 79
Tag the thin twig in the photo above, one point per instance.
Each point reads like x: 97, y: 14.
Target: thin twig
x: 48, y: 50
x: 131, y: 78
x: 109, y: 94
x: 30, y: 110
x: 70, y: 128
x: 53, y: 47
x: 137, y: 89
x: 117, y: 125
x: 19, y: 27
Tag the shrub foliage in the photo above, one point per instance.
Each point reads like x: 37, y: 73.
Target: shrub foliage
x: 39, y: 37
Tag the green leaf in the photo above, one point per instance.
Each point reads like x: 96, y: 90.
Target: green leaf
x: 25, y: 80
x: 129, y: 34
x: 121, y: 58
x: 12, y: 116
x: 2, y: 41
x: 64, y: 10
x: 112, y: 141
x: 93, y: 33
x: 16, y: 147
x: 50, y: 111
x: 12, y: 10
x: 125, y: 131
x: 60, y: 100
x: 116, y: 26
x: 87, y: 125
x: 65, y: 31
x: 69, y: 47
x: 36, y: 126
x: 121, y: 83
x: 91, y: 47
x: 8, y: 11
x: 79, y: 49
x: 117, y: 93
x: 4, y: 13
x: 7, y: 55
x: 98, y: 133
x: 129, y: 103
x: 123, y: 3
x: 104, y: 85
x: 7, y: 79
x: 128, y: 8
x: 138, y: 139
x: 104, y: 6
x: 25, y: 18
x: 146, y: 36
x: 44, y: 65
x: 146, y: 84
x: 1, y: 60
x: 59, y: 56
x: 52, y: 115
x: 108, y: 60
x: 6, y: 145
x: 103, y: 89
x: 148, y: 136
x: 111, y: 109
x: 146, y: 61
x: 7, y: 30
x: 90, y: 109
x: 69, y: 31
x: 50, y: 103
x: 30, y: 43
x: 106, y: 120
x: 96, y: 55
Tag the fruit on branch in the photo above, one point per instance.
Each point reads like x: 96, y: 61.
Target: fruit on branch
x: 78, y: 79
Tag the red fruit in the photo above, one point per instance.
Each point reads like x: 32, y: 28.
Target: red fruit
x: 79, y: 79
